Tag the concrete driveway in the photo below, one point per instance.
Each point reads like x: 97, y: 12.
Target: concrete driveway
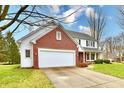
x: 81, y: 78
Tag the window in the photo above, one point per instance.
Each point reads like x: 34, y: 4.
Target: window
x: 27, y: 53
x: 93, y: 44
x: 92, y: 56
x: 87, y: 43
x: 79, y: 42
x: 58, y: 35
x: 87, y: 56
x: 90, y: 43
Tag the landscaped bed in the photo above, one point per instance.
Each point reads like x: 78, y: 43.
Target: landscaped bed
x: 114, y: 69
x: 12, y: 76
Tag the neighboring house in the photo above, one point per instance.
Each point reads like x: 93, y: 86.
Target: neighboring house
x: 54, y: 46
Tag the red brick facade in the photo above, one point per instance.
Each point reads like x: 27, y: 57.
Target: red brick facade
x: 49, y: 41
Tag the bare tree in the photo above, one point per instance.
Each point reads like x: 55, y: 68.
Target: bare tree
x: 121, y: 36
x: 27, y: 15
x: 114, y: 47
x: 109, y: 44
x: 97, y: 22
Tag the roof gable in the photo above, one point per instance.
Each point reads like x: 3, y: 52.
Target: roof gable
x: 61, y: 27
x: 36, y: 33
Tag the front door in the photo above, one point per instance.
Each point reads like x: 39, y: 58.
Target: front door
x: 80, y: 56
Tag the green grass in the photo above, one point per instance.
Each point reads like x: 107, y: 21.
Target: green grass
x: 114, y: 69
x: 11, y: 76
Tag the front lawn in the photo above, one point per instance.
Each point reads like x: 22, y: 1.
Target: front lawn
x: 114, y: 69
x: 11, y: 76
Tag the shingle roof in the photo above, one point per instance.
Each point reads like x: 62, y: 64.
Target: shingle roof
x: 33, y: 32
x: 80, y: 35
x: 29, y: 34
x: 71, y: 33
x: 91, y: 49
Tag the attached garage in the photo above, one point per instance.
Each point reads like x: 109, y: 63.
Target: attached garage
x: 56, y: 58
x: 48, y: 47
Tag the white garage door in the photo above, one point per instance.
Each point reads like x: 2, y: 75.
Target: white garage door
x: 56, y: 58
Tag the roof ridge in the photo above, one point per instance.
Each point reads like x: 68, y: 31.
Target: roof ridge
x: 80, y: 35
x: 78, y: 32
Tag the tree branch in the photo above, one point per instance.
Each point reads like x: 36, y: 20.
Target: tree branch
x: 23, y: 20
x: 14, y: 19
x: 5, y: 11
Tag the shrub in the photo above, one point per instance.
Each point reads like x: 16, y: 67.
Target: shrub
x: 106, y: 61
x: 83, y: 64
x: 101, y: 61
x: 98, y: 61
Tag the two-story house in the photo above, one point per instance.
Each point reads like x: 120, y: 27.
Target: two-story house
x: 54, y: 46
x: 87, y: 46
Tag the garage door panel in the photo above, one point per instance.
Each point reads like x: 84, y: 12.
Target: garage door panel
x: 56, y: 58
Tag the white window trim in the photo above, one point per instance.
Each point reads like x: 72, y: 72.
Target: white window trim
x: 58, y: 37
x: 25, y: 53
x: 90, y: 57
x: 86, y: 56
x: 90, y: 44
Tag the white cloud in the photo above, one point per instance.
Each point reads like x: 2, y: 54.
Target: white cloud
x: 75, y: 15
x: 89, y: 12
x: 55, y: 9
x: 71, y: 18
x: 80, y: 27
x: 85, y: 29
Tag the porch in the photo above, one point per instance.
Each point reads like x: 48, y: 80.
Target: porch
x: 87, y: 56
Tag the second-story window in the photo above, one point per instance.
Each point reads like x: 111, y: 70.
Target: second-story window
x: 87, y: 43
x: 93, y: 44
x: 90, y: 43
x: 79, y: 42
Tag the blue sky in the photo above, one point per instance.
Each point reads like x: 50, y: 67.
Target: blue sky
x: 78, y: 20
